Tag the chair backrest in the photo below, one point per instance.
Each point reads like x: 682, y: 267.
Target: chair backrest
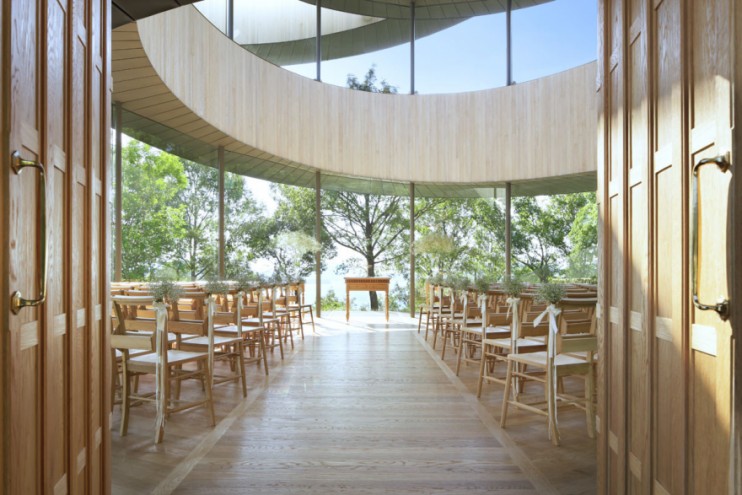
x: 130, y: 330
x: 190, y: 322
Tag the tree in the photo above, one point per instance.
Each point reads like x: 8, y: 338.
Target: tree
x: 541, y: 231
x: 372, y: 226
x: 295, y: 212
x: 152, y: 217
x: 369, y: 83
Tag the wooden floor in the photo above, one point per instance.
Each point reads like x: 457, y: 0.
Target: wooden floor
x: 359, y: 408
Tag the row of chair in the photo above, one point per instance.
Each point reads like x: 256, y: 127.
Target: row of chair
x: 188, y: 339
x: 537, y: 342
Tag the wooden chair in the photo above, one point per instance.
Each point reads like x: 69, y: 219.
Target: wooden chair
x: 230, y: 324
x: 521, y: 338
x: 254, y: 315
x: 558, y: 361
x: 219, y: 348
x: 426, y: 308
x: 480, y: 329
x: 150, y: 335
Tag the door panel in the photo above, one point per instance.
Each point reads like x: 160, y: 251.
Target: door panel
x: 672, y: 108
x: 56, y: 355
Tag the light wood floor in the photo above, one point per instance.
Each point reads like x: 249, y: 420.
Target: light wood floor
x: 364, y: 408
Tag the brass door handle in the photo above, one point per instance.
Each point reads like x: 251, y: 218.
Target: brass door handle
x: 722, y: 305
x: 16, y: 301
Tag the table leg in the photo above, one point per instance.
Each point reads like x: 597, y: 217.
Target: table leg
x: 386, y: 301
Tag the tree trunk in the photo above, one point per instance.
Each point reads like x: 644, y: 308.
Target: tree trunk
x: 371, y: 272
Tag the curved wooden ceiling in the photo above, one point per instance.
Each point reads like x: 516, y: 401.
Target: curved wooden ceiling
x: 126, y: 11
x: 425, y: 9
x: 188, y: 89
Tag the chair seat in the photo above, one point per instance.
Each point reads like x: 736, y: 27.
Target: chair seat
x: 256, y: 321
x: 173, y: 357
x: 218, y: 340
x: 231, y: 330
x: 541, y: 359
x: 522, y: 343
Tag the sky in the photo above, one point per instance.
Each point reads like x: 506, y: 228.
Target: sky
x: 470, y: 56
x: 548, y: 38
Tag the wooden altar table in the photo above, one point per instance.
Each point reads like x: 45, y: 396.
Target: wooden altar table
x: 366, y: 284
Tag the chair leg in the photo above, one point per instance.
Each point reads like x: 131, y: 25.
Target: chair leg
x: 458, y: 355
x: 445, y: 340
x: 261, y: 350
x: 241, y: 367
x: 552, y: 404
x: 420, y: 320
x: 482, y: 368
x: 311, y: 316
x: 589, y: 408
x: 506, y: 395
x: 124, y: 402
x: 207, y: 390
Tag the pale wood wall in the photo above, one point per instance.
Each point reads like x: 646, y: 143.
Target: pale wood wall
x: 532, y: 130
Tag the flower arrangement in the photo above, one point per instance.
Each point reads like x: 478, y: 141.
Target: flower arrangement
x: 513, y: 287
x: 482, y: 284
x: 246, y: 281
x: 165, y: 291
x: 550, y: 293
x: 215, y: 286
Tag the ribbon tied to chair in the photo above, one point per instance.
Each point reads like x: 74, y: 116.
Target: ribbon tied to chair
x: 513, y: 303
x: 160, y: 372
x: 211, y: 308
x: 553, y: 312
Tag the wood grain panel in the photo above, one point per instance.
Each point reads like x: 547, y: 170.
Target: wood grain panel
x: 540, y: 128
x: 24, y: 362
x: 57, y: 114
x: 676, y: 93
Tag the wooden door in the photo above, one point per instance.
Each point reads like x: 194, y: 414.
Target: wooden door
x: 55, y: 355
x: 665, y: 82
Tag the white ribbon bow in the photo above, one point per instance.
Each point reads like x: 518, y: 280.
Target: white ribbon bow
x: 160, y: 374
x: 553, y: 312
x: 238, y: 306
x: 515, y: 329
x: 482, y: 302
x: 211, y: 308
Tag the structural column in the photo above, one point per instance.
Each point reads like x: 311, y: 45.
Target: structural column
x: 412, y: 48
x: 230, y: 19
x: 318, y: 47
x: 508, y: 232
x: 412, y: 249
x: 509, y: 43
x: 318, y: 236
x: 220, y: 159
x: 118, y: 206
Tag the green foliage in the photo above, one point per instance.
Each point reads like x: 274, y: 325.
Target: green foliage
x: 289, y: 251
x: 482, y: 284
x: 369, y: 83
x: 513, y: 287
x: 151, y: 214
x: 165, y: 291
x: 541, y: 229
x: 246, y: 280
x: 435, y: 244
x: 215, y: 286
x: 330, y: 302
x: 295, y: 212
x: 170, y: 217
x: 550, y: 293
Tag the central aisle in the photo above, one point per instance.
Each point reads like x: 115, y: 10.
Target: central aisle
x: 360, y: 409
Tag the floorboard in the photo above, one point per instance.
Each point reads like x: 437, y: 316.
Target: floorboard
x: 359, y: 408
